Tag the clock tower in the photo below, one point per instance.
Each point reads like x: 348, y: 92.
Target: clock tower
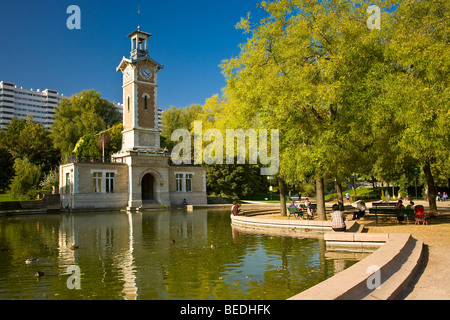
x: 139, y: 176
x: 140, y: 97
x: 148, y: 168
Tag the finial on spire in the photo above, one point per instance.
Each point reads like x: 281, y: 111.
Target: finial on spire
x: 139, y: 18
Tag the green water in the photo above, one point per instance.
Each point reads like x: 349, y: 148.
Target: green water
x: 154, y: 256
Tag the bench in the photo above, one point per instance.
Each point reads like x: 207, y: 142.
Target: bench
x: 312, y: 205
x: 384, y: 205
x: 409, y: 213
x: 296, y: 212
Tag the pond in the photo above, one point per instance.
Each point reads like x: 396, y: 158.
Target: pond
x: 155, y: 255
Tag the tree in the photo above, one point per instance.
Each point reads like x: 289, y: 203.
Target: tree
x: 7, y: 172
x: 84, y: 113
x: 87, y: 148
x: 309, y: 69
x: 26, y: 138
x: 236, y: 181
x: 181, y: 118
x: 231, y: 180
x: 99, y: 145
x: 25, y: 183
x: 417, y: 89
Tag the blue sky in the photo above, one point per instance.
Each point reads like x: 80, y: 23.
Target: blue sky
x: 190, y: 38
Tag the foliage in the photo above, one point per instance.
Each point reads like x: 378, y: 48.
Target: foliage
x: 91, y: 146
x: 26, y: 138
x: 25, y: 184
x: 309, y: 69
x: 87, y: 148
x: 50, y: 179
x: 417, y: 93
x: 7, y: 172
x: 235, y: 181
x: 25, y: 149
x: 229, y: 180
x: 174, y: 119
x: 345, y: 98
x: 83, y: 114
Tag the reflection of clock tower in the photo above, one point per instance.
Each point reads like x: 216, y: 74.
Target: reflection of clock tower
x: 140, y: 96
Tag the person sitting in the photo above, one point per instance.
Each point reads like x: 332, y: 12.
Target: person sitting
x: 444, y: 197
x: 292, y: 205
x: 309, y: 209
x: 361, y: 211
x: 337, y: 219
x: 399, y: 205
x: 410, y: 205
x: 235, y: 209
x: 232, y: 207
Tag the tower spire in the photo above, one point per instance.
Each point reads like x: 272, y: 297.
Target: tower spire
x: 139, y: 18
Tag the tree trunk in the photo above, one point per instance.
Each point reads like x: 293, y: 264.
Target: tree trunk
x: 282, y: 189
x: 320, y: 194
x: 431, y: 186
x: 354, y: 189
x: 340, y: 197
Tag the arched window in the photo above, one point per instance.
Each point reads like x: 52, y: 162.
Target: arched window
x: 146, y: 100
x: 128, y: 103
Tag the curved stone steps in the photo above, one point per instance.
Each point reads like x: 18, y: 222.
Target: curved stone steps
x: 391, y: 266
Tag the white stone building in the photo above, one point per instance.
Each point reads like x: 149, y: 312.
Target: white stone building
x: 139, y: 175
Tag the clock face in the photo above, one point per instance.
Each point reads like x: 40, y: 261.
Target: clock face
x: 128, y: 73
x: 146, y: 73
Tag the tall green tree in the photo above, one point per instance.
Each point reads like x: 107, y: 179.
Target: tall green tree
x: 100, y: 145
x: 417, y: 90
x: 7, y: 172
x: 179, y: 118
x: 236, y: 181
x: 310, y: 69
x: 25, y: 183
x: 82, y: 114
x: 26, y: 138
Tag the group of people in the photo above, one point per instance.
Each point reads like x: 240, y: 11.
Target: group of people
x: 444, y: 197
x: 309, y: 209
x: 399, y: 205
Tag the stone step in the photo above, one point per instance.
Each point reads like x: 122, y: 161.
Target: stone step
x: 405, y: 266
x: 393, y: 264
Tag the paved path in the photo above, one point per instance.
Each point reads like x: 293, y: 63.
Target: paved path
x: 432, y: 281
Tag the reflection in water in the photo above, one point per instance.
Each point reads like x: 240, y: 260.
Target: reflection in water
x: 126, y: 264
x: 167, y: 254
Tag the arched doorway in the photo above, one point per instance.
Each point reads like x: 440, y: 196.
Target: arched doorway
x: 147, y: 188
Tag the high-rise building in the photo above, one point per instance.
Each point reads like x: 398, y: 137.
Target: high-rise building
x: 19, y: 102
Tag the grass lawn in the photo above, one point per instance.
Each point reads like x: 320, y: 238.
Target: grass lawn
x: 6, y: 198
x: 261, y: 197
x: 362, y: 194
